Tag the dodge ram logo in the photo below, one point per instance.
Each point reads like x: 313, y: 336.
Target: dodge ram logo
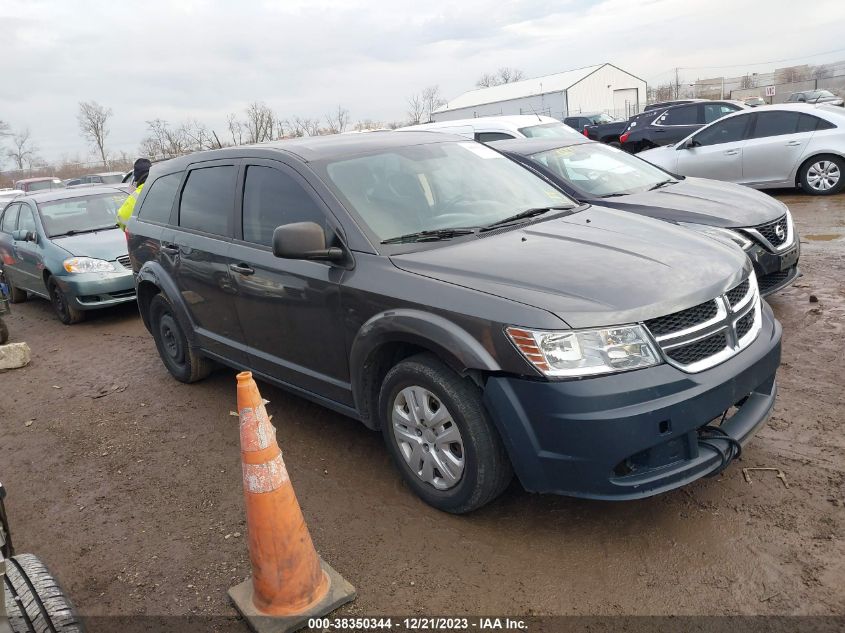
x: 780, y: 232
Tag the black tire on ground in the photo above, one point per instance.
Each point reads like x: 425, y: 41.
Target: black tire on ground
x: 804, y: 174
x: 4, y: 332
x: 487, y: 470
x: 184, y: 362
x: 34, y: 601
x: 615, y: 144
x: 16, y: 295
x: 64, y: 310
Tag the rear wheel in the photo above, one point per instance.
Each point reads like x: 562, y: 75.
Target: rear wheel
x: 34, y: 601
x: 64, y: 310
x: 823, y: 175
x: 4, y: 332
x: 440, y: 436
x: 183, y: 361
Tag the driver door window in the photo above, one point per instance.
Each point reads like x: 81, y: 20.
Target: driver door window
x: 26, y: 222
x: 730, y: 131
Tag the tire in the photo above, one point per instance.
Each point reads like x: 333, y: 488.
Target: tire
x: 67, y: 313
x: 183, y: 360
x: 485, y: 469
x: 16, y: 295
x: 34, y: 601
x: 822, y: 175
x: 4, y: 332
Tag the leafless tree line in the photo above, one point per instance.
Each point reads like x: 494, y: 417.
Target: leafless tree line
x: 504, y: 75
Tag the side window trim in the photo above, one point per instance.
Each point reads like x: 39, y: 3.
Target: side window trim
x: 288, y: 169
x: 175, y: 213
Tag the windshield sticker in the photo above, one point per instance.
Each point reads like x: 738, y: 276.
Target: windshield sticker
x: 481, y: 150
x: 564, y: 151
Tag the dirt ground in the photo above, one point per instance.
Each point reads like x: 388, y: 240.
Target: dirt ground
x: 128, y: 484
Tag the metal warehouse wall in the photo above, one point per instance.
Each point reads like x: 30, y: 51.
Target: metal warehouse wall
x: 550, y: 104
x: 595, y: 93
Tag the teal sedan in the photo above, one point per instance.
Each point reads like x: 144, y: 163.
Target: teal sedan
x: 65, y: 246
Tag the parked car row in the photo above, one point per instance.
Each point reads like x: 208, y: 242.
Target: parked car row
x: 544, y: 306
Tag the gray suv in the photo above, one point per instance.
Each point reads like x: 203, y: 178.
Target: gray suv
x: 486, y: 323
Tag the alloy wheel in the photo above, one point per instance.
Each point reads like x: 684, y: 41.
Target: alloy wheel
x: 823, y: 175
x: 428, y: 438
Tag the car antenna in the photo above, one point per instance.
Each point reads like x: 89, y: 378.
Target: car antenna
x: 535, y: 114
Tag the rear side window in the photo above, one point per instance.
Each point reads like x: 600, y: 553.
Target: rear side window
x: 810, y: 123
x: 207, y: 200
x: 489, y: 137
x: 159, y: 200
x: 776, y: 124
x: 715, y: 111
x: 728, y: 131
x: 683, y: 115
x: 273, y: 198
x: 10, y: 218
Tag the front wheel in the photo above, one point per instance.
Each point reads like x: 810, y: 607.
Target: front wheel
x: 64, y: 310
x: 823, y: 175
x: 440, y: 436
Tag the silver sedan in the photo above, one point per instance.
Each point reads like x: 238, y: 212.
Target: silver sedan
x: 786, y: 145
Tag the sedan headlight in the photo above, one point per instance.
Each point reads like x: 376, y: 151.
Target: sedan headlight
x: 728, y: 236
x: 586, y: 352
x: 87, y: 265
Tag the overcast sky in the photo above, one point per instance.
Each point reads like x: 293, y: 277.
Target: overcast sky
x: 180, y: 60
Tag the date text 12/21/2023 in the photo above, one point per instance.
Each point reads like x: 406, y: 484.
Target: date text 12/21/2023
x: 414, y: 624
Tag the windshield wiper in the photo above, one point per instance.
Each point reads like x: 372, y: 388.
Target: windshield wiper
x: 613, y: 195
x: 79, y: 231
x: 662, y: 183
x: 431, y: 235
x: 522, y: 215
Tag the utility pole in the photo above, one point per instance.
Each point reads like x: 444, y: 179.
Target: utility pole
x: 677, y: 84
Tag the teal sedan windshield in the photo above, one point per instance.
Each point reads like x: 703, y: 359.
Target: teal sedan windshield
x: 438, y: 186
x: 70, y: 216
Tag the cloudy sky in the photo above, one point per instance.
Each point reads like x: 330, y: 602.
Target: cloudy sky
x: 197, y: 59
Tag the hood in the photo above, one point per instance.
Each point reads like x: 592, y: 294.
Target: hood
x: 703, y: 201
x: 108, y: 245
x: 665, y: 157
x: 593, y: 268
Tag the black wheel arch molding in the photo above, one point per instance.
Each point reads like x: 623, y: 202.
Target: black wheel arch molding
x: 151, y: 280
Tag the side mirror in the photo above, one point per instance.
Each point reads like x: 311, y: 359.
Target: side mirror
x: 689, y: 144
x: 23, y: 236
x: 304, y: 240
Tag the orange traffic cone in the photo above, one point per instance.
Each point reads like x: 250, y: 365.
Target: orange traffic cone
x: 290, y: 583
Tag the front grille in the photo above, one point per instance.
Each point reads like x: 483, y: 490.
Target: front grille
x: 124, y: 261
x: 767, y: 282
x: 744, y: 325
x: 770, y: 232
x: 737, y: 294
x: 699, y: 350
x: 683, y: 320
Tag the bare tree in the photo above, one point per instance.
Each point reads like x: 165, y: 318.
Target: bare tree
x: 416, y: 109
x: 164, y: 141
x: 260, y: 124
x: 746, y: 81
x: 431, y: 100
x: 504, y: 75
x: 338, y: 120
x: 24, y: 151
x: 93, y: 119
x: 197, y: 136
x: 824, y: 71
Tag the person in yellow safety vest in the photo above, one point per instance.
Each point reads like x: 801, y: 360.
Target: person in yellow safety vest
x: 140, y: 171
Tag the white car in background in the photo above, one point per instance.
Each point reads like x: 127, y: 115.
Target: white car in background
x: 487, y: 129
x: 785, y: 145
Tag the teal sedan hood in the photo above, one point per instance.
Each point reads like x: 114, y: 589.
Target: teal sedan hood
x: 108, y: 245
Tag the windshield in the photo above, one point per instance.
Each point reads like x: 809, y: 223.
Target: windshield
x: 601, y: 170
x: 80, y: 215
x: 41, y: 185
x: 111, y: 179
x: 548, y: 130
x: 819, y: 94
x: 598, y: 119
x: 447, y: 185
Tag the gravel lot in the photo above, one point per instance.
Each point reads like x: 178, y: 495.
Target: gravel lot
x: 127, y: 484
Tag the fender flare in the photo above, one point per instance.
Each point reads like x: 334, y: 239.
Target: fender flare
x: 152, y: 272
x: 453, y: 344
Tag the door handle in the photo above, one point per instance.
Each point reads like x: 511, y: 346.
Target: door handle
x: 731, y: 152
x: 242, y: 269
x: 793, y: 143
x: 169, y: 248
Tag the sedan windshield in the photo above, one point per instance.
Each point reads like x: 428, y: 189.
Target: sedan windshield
x: 405, y: 190
x: 548, y: 130
x: 81, y: 215
x: 600, y: 170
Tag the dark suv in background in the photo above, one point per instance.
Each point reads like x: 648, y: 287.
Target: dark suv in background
x: 672, y: 124
x: 485, y: 322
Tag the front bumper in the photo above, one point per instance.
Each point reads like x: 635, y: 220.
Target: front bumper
x: 633, y: 434
x: 91, y: 291
x: 775, y: 271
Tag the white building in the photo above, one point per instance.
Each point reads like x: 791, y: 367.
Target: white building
x: 601, y: 88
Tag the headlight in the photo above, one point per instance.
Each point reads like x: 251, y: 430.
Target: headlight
x: 87, y: 265
x: 586, y: 352
x: 723, y: 235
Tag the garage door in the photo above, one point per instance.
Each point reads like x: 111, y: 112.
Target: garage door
x: 625, y: 102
